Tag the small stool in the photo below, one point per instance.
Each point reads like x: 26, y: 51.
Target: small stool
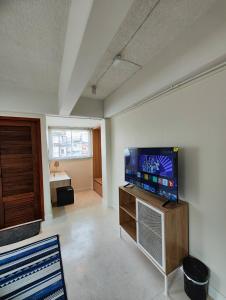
x: 65, y: 195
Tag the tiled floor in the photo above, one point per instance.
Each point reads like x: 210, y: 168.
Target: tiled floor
x: 98, y: 265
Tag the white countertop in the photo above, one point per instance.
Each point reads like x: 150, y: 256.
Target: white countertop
x: 58, y: 176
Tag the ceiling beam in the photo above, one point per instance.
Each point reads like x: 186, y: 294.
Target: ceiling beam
x: 92, y: 25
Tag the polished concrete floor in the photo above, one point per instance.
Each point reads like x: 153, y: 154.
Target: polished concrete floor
x: 98, y: 265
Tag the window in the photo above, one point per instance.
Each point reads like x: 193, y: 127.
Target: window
x: 67, y: 143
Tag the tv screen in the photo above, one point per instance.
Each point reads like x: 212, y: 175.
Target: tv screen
x: 154, y: 170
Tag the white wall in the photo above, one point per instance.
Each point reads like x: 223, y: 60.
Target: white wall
x: 54, y: 121
x: 45, y: 166
x: 80, y: 171
x: 27, y: 101
x: 194, y: 118
x: 106, y: 161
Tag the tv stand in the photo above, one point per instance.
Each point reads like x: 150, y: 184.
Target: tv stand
x: 160, y: 232
x: 165, y: 203
x: 129, y: 185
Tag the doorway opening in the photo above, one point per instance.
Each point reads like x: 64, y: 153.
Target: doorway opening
x: 75, y: 162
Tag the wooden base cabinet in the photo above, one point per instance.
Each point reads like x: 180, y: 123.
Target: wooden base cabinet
x: 161, y: 233
x: 97, y: 162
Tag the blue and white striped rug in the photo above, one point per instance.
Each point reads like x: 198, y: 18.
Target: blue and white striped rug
x: 34, y: 271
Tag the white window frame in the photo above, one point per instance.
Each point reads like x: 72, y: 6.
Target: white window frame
x: 50, y: 140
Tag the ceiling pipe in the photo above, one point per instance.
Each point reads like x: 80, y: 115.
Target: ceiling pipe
x: 216, y: 66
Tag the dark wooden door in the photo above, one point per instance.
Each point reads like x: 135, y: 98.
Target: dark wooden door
x: 21, y: 187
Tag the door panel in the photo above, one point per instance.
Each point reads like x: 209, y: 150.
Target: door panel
x: 19, y: 209
x: 21, y: 197
x: 24, y: 185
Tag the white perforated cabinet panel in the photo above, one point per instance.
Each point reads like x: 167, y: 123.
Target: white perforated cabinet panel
x: 150, y: 231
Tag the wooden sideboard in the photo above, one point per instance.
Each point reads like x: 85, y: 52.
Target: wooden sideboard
x: 58, y: 179
x: 161, y: 233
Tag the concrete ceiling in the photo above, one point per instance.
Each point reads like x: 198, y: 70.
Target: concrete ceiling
x: 149, y: 27
x: 32, y: 36
x: 51, y: 47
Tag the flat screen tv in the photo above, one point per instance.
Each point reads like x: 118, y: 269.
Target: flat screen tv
x: 154, y: 170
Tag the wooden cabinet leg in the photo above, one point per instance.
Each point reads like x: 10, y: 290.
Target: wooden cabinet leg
x: 166, y: 285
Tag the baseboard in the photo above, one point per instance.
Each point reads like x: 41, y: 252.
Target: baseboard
x: 48, y: 216
x: 84, y: 189
x: 215, y: 295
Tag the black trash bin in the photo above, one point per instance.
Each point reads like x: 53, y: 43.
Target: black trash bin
x: 196, y: 278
